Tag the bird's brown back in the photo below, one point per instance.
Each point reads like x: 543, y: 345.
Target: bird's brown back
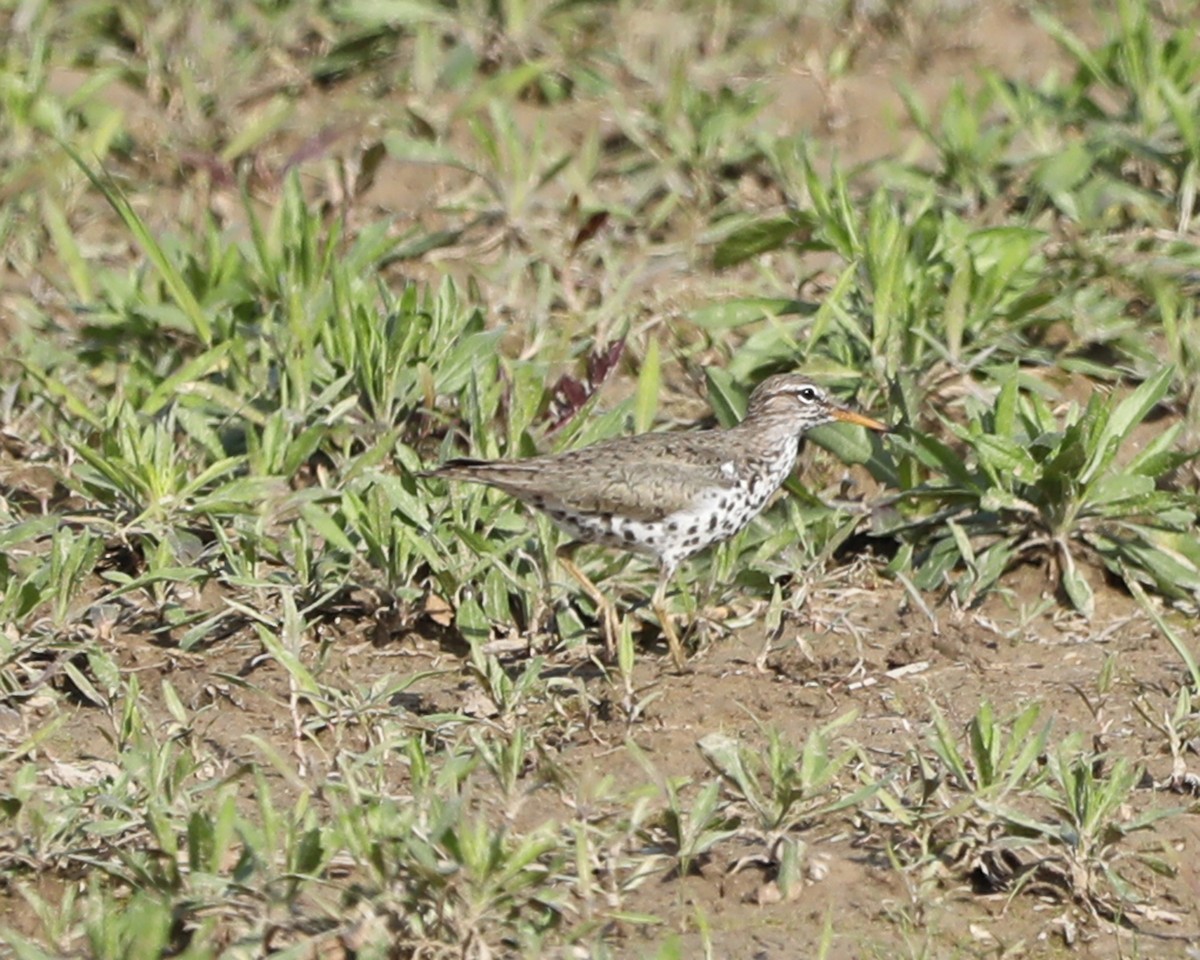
x: 645, y: 477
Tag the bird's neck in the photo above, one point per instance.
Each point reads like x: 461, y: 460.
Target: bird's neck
x: 767, y: 431
x: 770, y: 447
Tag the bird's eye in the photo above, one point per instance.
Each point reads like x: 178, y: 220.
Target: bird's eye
x: 807, y: 394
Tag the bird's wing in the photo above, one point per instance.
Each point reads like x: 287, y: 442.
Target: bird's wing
x: 647, y: 477
x: 649, y: 496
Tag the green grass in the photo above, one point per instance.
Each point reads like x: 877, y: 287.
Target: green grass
x: 265, y: 263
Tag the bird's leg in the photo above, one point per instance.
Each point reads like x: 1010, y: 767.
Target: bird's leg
x: 604, y: 606
x: 659, y: 605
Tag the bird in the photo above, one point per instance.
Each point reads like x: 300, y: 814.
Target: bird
x: 668, y: 495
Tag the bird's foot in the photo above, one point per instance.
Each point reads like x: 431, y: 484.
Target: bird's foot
x: 674, y: 643
x: 611, y: 624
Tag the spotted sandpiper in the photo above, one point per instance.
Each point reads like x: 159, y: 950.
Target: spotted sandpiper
x: 668, y: 495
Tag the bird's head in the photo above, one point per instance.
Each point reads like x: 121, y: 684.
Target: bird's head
x: 792, y: 400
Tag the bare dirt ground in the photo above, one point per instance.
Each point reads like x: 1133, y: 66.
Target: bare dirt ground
x: 862, y: 649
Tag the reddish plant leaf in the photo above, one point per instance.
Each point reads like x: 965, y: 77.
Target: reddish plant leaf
x: 594, y: 224
x: 602, y: 362
x: 570, y: 394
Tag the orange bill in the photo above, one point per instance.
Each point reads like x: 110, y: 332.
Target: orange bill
x: 849, y: 416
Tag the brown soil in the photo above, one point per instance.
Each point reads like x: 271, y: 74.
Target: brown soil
x: 863, y: 650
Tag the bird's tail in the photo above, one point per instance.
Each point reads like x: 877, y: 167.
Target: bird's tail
x: 460, y: 468
x: 510, y: 475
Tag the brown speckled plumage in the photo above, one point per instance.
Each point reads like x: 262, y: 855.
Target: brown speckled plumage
x: 669, y: 495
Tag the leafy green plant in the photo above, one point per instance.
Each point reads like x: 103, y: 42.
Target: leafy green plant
x: 506, y: 758
x: 916, y: 288
x: 139, y: 468
x: 1086, y: 827
x: 506, y: 693
x: 784, y: 791
x: 29, y: 584
x: 691, y: 832
x: 1152, y: 78
x: 1011, y: 810
x: 946, y: 819
x: 1035, y: 484
x: 972, y: 149
x: 1178, y: 726
x: 999, y: 758
x: 440, y: 874
x: 785, y: 787
x: 686, y: 833
x: 690, y: 142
